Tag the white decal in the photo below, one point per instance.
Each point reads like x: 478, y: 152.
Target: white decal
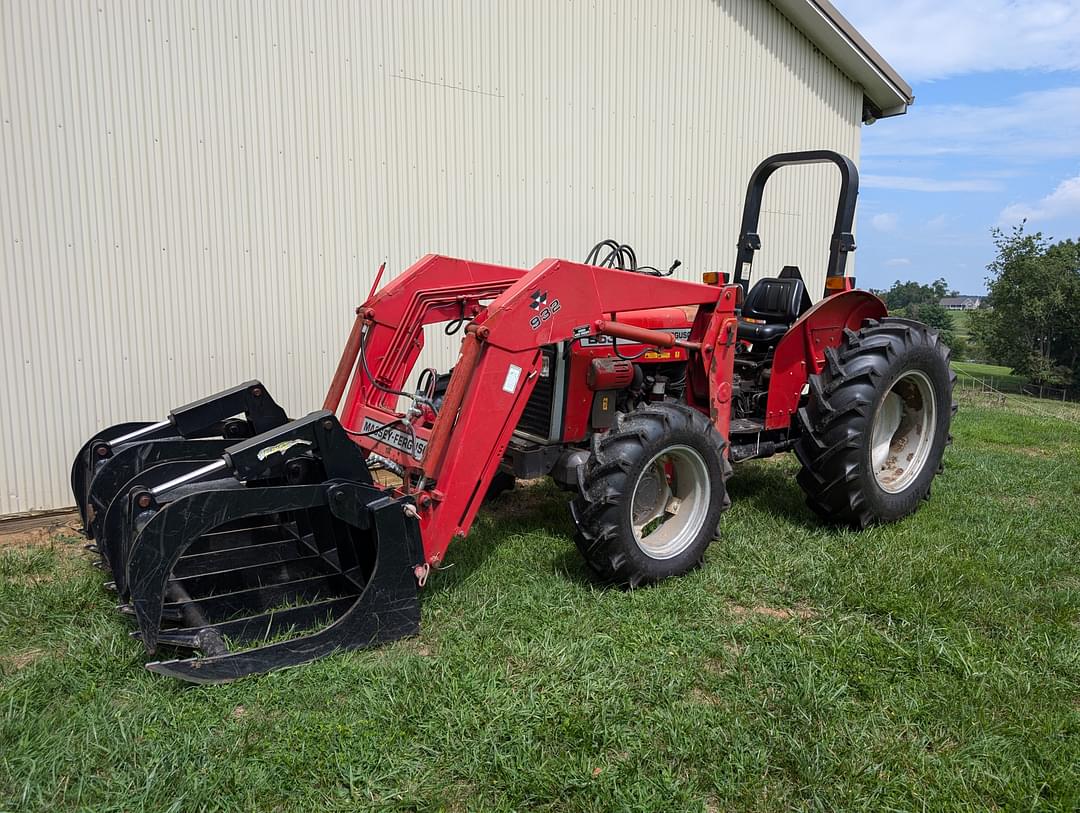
x: 545, y: 311
x: 513, y: 374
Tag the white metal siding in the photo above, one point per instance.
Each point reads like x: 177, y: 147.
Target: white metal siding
x: 197, y: 193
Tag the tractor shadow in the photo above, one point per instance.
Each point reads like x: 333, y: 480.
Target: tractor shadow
x: 533, y: 509
x: 768, y: 488
x: 764, y: 489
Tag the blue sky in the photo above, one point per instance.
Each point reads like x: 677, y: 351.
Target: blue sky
x: 993, y: 137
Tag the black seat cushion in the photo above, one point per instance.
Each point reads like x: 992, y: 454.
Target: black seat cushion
x: 760, y: 333
x: 775, y: 303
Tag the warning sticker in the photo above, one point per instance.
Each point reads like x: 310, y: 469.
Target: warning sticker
x: 277, y: 448
x: 513, y: 375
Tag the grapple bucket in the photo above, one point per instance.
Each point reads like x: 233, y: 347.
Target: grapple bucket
x: 230, y: 549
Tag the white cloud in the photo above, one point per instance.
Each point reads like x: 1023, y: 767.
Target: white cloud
x: 937, y: 222
x: 930, y: 39
x: 1062, y: 202
x: 916, y: 184
x: 886, y: 221
x: 1031, y: 127
x: 897, y: 262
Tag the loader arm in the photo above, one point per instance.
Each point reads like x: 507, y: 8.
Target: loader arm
x: 434, y: 289
x: 498, y: 366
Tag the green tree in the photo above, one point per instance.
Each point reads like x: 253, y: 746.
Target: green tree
x: 1033, y: 322
x: 937, y: 317
x: 904, y: 296
x: 922, y: 302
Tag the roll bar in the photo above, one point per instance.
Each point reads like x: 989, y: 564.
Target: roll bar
x: 842, y: 240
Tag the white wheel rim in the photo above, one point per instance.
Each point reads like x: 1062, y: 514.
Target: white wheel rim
x: 670, y: 501
x: 903, y: 432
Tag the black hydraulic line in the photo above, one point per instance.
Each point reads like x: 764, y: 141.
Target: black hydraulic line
x: 455, y: 325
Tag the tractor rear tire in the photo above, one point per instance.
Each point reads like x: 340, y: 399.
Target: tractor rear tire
x: 651, y: 495
x: 875, y: 426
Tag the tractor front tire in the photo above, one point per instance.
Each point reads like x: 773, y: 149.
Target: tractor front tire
x: 651, y: 495
x: 876, y: 423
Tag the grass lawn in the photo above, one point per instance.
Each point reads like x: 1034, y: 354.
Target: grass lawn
x: 961, y: 323
x: 1002, y: 377
x: 933, y: 664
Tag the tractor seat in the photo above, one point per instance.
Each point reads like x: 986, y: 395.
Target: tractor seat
x: 773, y: 303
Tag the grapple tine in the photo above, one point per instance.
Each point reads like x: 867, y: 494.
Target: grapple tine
x: 169, y: 530
x: 199, y: 564
x: 223, y: 606
x: 263, y: 627
x: 255, y: 535
x: 387, y: 609
x: 233, y: 579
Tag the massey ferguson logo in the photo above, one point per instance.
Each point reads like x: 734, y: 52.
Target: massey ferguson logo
x: 403, y: 441
x: 540, y: 303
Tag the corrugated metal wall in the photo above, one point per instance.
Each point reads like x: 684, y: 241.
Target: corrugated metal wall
x: 196, y: 193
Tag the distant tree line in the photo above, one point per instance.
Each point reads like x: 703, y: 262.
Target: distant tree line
x: 1030, y: 322
x: 1033, y: 322
x: 923, y: 302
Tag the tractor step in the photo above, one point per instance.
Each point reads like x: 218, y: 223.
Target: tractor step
x: 746, y: 426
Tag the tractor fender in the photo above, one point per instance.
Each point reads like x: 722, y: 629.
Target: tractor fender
x: 801, y: 352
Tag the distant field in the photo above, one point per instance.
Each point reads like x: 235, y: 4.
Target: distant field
x: 960, y: 323
x: 1001, y: 378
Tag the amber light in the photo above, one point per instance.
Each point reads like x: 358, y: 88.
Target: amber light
x: 714, y: 278
x: 837, y: 283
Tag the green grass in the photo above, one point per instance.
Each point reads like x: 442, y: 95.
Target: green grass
x: 961, y: 323
x: 933, y: 664
x: 1002, y: 377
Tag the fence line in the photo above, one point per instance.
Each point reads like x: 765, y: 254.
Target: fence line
x: 988, y: 388
x: 1009, y: 384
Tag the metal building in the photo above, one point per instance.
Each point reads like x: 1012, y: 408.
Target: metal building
x: 194, y: 194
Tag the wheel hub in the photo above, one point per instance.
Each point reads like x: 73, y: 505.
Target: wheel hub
x: 903, y: 432
x: 670, y: 502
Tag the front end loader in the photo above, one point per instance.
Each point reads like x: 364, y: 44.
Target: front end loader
x: 244, y: 541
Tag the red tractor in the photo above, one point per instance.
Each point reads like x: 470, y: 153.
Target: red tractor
x: 228, y: 525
